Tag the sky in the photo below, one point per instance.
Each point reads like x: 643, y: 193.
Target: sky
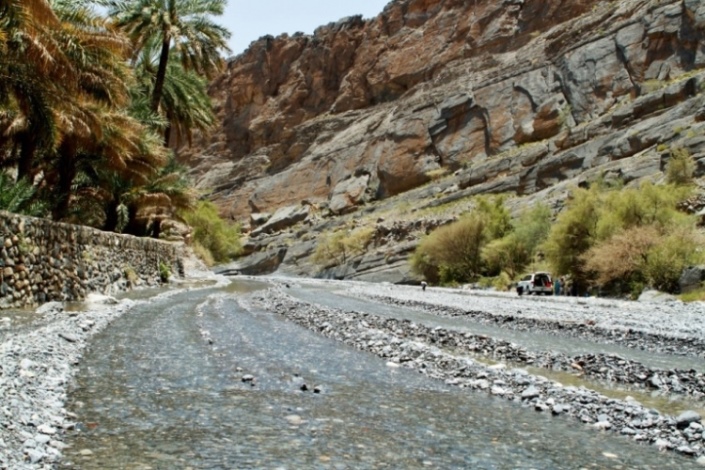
x: 248, y: 20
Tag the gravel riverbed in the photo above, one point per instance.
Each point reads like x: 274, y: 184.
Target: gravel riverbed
x: 442, y: 353
x: 38, y: 361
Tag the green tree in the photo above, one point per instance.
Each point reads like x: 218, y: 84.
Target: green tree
x: 515, y: 250
x: 680, y: 168
x: 185, y: 101
x: 452, y: 253
x: 573, y: 233
x: 183, y: 25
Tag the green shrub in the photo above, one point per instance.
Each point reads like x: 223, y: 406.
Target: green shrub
x: 573, y: 233
x: 502, y: 282
x: 513, y: 252
x: 213, y: 233
x: 452, y: 252
x: 336, y: 248
x: 666, y: 261
x: 130, y: 275
x: 619, y: 260
x: 623, y: 226
x: 203, y: 253
x: 697, y: 295
x: 506, y: 254
x: 164, y: 271
x: 680, y: 168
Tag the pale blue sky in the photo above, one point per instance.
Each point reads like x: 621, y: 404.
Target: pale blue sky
x: 248, y: 20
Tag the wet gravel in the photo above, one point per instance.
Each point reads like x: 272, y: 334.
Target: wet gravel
x: 35, y: 368
x: 39, y: 354
x: 39, y: 360
x: 438, y: 353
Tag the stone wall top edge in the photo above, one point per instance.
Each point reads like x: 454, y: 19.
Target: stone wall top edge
x: 81, y: 229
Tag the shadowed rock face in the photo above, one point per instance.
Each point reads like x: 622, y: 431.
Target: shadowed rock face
x: 514, y: 96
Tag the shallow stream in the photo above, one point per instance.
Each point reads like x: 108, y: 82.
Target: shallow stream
x: 163, y: 388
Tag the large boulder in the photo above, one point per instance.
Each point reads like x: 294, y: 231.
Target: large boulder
x: 692, y: 278
x: 284, y: 218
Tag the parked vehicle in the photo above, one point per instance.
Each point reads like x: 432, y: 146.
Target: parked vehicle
x: 536, y: 283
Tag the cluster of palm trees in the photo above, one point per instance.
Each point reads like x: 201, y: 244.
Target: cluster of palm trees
x: 92, y: 95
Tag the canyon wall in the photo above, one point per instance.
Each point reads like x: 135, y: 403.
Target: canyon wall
x: 512, y: 96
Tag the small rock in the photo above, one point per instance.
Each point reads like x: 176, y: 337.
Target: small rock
x: 68, y: 337
x: 294, y: 420
x: 684, y: 419
x: 530, y: 392
x: 248, y: 378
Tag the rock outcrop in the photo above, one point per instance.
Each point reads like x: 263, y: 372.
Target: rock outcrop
x: 516, y: 96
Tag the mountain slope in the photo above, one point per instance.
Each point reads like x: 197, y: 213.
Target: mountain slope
x: 519, y: 96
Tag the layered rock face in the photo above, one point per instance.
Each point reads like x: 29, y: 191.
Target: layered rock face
x: 513, y: 96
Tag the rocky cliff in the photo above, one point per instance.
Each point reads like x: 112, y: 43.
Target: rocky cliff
x: 516, y: 96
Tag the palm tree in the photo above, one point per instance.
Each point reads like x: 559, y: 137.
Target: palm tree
x: 34, y: 72
x: 18, y: 197
x: 181, y: 25
x: 185, y: 101
x: 97, y: 55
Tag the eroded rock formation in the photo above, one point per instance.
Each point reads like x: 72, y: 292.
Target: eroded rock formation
x: 514, y: 96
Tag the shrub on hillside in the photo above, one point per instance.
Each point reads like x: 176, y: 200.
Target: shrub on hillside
x: 666, y: 261
x: 573, y: 233
x: 514, y: 251
x: 212, y: 233
x: 612, y: 236
x: 681, y: 167
x: 452, y: 253
x: 644, y: 256
x: 338, y: 247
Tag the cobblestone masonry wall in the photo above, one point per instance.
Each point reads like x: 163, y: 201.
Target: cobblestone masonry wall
x: 43, y: 261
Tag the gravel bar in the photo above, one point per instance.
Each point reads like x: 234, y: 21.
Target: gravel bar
x: 437, y: 352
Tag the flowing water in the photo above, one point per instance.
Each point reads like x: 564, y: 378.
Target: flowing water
x: 162, y: 388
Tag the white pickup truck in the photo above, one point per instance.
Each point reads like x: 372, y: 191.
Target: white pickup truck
x: 535, y: 283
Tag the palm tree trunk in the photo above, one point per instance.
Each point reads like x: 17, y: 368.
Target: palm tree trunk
x: 28, y: 147
x: 161, y: 74
x: 111, y: 216
x: 67, y: 173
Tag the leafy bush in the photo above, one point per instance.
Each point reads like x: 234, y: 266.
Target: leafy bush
x: 681, y: 167
x: 164, y: 271
x: 452, y: 252
x: 573, y: 233
x: 203, y: 253
x: 213, y: 233
x: 337, y: 247
x: 666, y: 261
x: 622, y: 239
x: 513, y: 252
x: 642, y: 256
x: 19, y: 197
x: 620, y: 259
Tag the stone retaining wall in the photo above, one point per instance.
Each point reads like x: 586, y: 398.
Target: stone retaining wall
x: 43, y: 261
